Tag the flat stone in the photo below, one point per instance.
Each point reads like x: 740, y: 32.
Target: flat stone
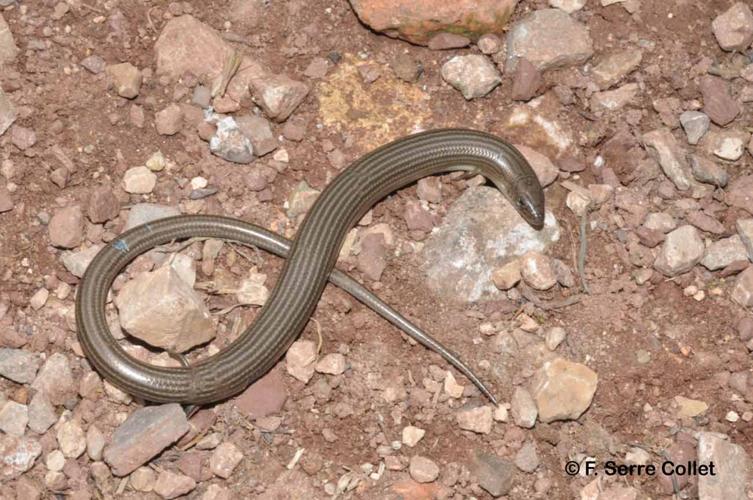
x: 66, y: 228
x: 682, y: 250
x: 507, y: 276
x: 13, y: 418
x: 278, y: 95
x: 171, y: 485
x: 103, y: 205
x: 745, y: 230
x: 732, y: 465
x: 689, y: 408
x: 480, y: 232
x: 548, y: 38
x: 95, y: 442
x: 660, y: 221
x: 161, y: 309
x: 258, y: 131
x: 527, y: 459
x: 41, y: 413
x: 71, y: 439
x: 8, y: 48
x: 478, y: 419
x: 300, y: 360
x: 446, y: 41
x: 143, y: 479
x: 422, y: 469
x: 526, y: 82
x: 740, y: 193
x: 742, y: 292
x: 729, y: 144
x: 19, y: 365
x: 17, y: 455
x: 523, y: 408
x: 186, y: 45
x: 7, y: 112
x: 718, y: 104
x: 418, y: 21
x: 76, y: 262
x: 168, y: 121
x: 332, y: 364
x: 616, y: 66
x: 538, y: 271
x: 372, y: 258
x: 733, y: 28
x: 301, y: 198
x: 545, y: 170
x: 225, y: 459
x: 473, y: 75
x: 229, y: 142
x: 143, y: 213
x: 126, y: 79
x: 144, y: 434
x: 494, y: 474
x: 412, y: 435
x: 94, y: 64
x: 55, y: 379
x: 695, y: 124
x: 662, y: 145
x: 724, y: 252
x: 704, y: 222
x: 563, y: 390
x: 708, y: 172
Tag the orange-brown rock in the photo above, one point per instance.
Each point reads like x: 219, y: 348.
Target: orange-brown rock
x: 419, y: 20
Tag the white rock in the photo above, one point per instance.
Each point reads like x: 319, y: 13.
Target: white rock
x: 478, y: 419
x: 682, y: 249
x: 139, y: 180
x: 473, y: 75
x: 333, y: 364
x: 71, y: 439
x: 300, y: 360
x: 13, y: 418
x: 412, y: 435
x: 451, y: 386
x: 563, y: 390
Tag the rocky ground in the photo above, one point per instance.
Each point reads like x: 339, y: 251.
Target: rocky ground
x: 623, y: 331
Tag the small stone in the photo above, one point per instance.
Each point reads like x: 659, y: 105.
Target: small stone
x: 494, y: 474
x: 489, y: 44
x: 422, y: 469
x: 41, y: 413
x: 406, y: 68
x: 612, y: 100
x: 740, y: 193
x: 126, y: 79
x: 300, y: 360
x: 103, y: 205
x: 19, y: 365
x: 39, y: 299
x: 744, y: 229
x: 7, y: 112
x: 523, y: 408
x: 139, y: 180
x: 660, y: 221
x: 372, y: 259
x: 473, y: 75
x: 616, y: 66
x: 526, y: 82
x: 142, y: 213
x: 412, y: 435
x: 451, y: 386
x: 332, y: 364
x: 729, y: 145
x: 507, y: 276
x: 13, y: 418
x: 144, y: 434
x: 95, y: 443
x: 17, y: 454
x: 71, y: 439
x: 429, y: 189
x: 66, y: 228
x: 733, y: 28
x: 446, y: 40
x: 554, y: 337
x: 301, y: 199
x: 171, y: 485
x: 501, y: 413
x: 416, y: 218
x: 93, y: 64
x: 732, y: 464
x: 742, y: 292
x: 563, y: 390
x: 548, y: 38
x: 229, y: 142
x: 568, y: 6
x: 169, y: 120
x: 23, y: 138
x: 225, y: 459
x: 682, y: 249
x: 478, y: 419
x: 143, y: 479
x: 259, y: 132
x: 724, y: 252
x: 541, y: 164
x: 704, y: 222
x: 8, y: 48
x: 732, y: 416
x: 708, y: 172
x: 537, y: 270
x: 689, y: 408
x: 55, y: 379
x: 55, y: 461
x: 718, y: 104
x: 317, y: 68
x: 695, y: 124
x: 527, y: 459
x: 157, y: 162
x: 278, y: 95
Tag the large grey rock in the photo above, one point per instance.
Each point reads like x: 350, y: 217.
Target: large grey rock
x: 548, y: 38
x: 161, y: 309
x: 18, y: 365
x: 682, y: 249
x: 732, y: 467
x: 480, y: 232
x: 144, y: 434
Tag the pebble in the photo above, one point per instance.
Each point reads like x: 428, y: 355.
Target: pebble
x: 554, y: 337
x: 406, y: 68
x: 17, y: 455
x: 446, y: 41
x: 527, y: 459
x: 229, y: 142
x: 145, y: 433
x: 7, y: 112
x: 8, y: 48
x: 708, y: 172
x: 142, y: 213
x: 169, y: 120
x: 317, y: 68
x: 94, y: 64
x: 126, y: 79
x: 548, y: 38
x: 422, y: 469
x: 55, y: 461
x: 724, y: 252
x: 733, y: 28
x: 473, y: 75
x: 523, y: 408
x: 412, y: 435
x: 372, y: 258
x: 718, y: 104
x: 568, y: 6
x: 481, y: 231
x: 300, y: 360
x: 143, y: 479
x: 301, y: 198
x: 164, y: 311
x: 41, y: 413
x: 478, y: 419
x: 541, y: 164
x: 278, y: 95
x: 429, y: 189
x: 507, y: 276
x: 225, y: 459
x: 494, y: 474
x: 331, y: 364
x: 451, y: 386
x: 563, y: 390
x: 19, y: 365
x: 23, y: 138
x: 95, y: 443
x: 66, y: 228
x: 745, y: 230
x: 740, y: 193
x: 489, y: 44
x: 172, y: 485
x: 259, y: 132
x: 13, y: 418
x: 538, y: 271
x: 39, y: 299
x: 729, y: 145
x: 55, y: 379
x: 139, y: 180
x: 742, y: 292
x: 526, y: 82
x: 689, y: 408
x: 682, y: 249
x: 695, y: 124
x: 732, y: 464
x: 616, y: 66
x: 662, y: 145
x: 103, y: 205
x: 704, y: 222
x: 71, y: 439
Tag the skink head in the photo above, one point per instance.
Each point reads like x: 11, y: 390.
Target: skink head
x: 527, y: 196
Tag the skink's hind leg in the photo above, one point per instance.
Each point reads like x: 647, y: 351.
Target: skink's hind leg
x: 189, y: 409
